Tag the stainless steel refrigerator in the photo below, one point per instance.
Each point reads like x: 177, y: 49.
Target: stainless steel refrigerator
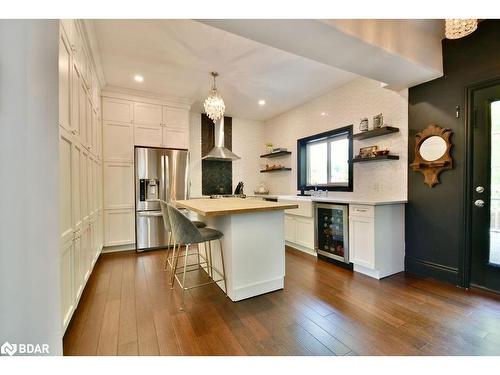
x: 159, y: 174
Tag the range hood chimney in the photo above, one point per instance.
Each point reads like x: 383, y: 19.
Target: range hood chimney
x: 219, y: 152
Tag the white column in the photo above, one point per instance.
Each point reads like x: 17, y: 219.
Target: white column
x: 29, y: 249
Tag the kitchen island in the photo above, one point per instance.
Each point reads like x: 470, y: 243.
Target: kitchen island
x: 253, y: 242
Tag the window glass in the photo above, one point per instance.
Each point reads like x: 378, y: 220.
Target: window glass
x: 324, y: 160
x: 317, y: 160
x: 339, y: 162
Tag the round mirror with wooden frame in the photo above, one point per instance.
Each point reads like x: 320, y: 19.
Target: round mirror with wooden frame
x: 432, y: 153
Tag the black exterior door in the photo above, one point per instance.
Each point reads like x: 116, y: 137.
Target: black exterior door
x: 485, y: 186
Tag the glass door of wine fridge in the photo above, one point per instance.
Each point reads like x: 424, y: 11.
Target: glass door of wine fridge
x: 331, y: 234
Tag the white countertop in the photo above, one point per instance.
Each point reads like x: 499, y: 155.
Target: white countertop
x: 336, y: 200
x: 349, y: 200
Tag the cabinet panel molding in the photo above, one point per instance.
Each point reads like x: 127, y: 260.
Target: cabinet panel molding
x: 118, y: 185
x: 362, y: 241
x: 118, y: 142
x: 175, y: 138
x: 119, y: 227
x: 147, y: 114
x: 145, y: 135
x: 117, y: 110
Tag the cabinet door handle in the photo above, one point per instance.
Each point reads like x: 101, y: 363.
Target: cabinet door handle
x: 361, y: 209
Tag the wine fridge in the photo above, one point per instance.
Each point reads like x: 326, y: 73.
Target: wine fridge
x: 331, y: 233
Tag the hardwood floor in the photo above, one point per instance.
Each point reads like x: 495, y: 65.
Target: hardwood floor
x: 128, y: 308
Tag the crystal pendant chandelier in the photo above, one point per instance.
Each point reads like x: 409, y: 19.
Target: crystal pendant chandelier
x: 458, y: 28
x: 214, y: 104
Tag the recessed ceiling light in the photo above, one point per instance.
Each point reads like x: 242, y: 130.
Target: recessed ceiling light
x: 323, y: 113
x: 138, y: 78
x: 262, y: 102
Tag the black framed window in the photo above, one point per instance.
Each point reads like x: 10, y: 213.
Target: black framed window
x: 325, y: 160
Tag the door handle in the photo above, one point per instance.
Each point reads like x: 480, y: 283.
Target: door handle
x: 150, y: 214
x: 479, y: 203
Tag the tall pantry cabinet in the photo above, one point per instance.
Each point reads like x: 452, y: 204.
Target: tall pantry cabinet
x: 129, y: 121
x: 80, y: 166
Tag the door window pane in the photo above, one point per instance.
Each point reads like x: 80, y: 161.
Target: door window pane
x: 495, y: 184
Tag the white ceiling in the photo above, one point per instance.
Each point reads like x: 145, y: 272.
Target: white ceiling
x: 176, y: 58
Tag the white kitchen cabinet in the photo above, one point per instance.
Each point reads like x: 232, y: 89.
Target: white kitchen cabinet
x: 88, y: 125
x: 119, y: 185
x: 66, y: 275
x: 117, y: 110
x: 65, y: 187
x: 68, y: 26
x: 304, y: 232
x: 148, y: 135
x: 290, y: 229
x: 175, y: 132
x: 64, y: 82
x: 376, y: 239
x: 79, y: 175
x: 93, y: 131
x: 130, y: 121
x: 79, y: 53
x: 82, y: 112
x: 175, y: 137
x: 299, y: 225
x: 147, y: 124
x: 175, y: 117
x: 77, y: 155
x: 147, y: 114
x: 119, y: 227
x: 362, y: 246
x: 118, y: 141
x: 75, y: 102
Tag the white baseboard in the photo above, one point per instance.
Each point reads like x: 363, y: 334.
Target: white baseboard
x: 115, y: 249
x: 256, y: 289
x: 302, y: 248
x: 367, y: 271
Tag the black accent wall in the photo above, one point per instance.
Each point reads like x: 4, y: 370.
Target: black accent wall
x: 435, y: 229
x: 216, y: 176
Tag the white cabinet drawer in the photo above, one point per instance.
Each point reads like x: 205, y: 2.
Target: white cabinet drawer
x: 361, y: 210
x: 305, y: 207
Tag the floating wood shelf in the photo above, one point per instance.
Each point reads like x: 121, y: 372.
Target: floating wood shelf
x: 275, y: 154
x: 375, y: 158
x: 375, y: 132
x: 275, y: 170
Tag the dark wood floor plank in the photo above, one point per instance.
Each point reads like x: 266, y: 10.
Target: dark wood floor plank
x: 128, y: 308
x: 89, y: 339
x: 146, y: 330
x: 127, y: 330
x: 108, y: 337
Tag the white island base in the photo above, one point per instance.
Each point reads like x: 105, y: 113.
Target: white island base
x: 254, y: 252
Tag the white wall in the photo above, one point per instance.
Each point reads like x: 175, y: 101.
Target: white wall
x: 247, y: 142
x: 386, y: 180
x: 29, y: 214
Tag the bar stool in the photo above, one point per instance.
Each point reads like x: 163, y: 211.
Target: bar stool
x: 170, y: 237
x: 186, y: 233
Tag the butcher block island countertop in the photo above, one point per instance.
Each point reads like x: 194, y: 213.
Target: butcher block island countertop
x: 230, y: 206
